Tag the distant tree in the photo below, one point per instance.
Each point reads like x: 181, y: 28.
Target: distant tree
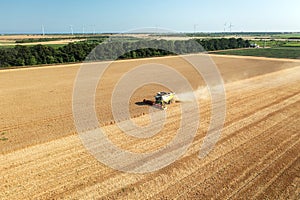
x: 32, y: 60
x: 133, y: 54
x: 233, y: 43
x: 20, y: 62
x: 72, y: 59
x: 50, y: 60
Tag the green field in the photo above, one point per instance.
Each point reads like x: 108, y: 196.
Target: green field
x: 7, y: 46
x: 277, y: 43
x: 281, y: 52
x: 286, y: 36
x: 291, y: 44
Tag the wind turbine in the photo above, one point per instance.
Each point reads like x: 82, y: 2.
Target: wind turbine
x: 230, y: 26
x: 43, y: 30
x: 83, y: 29
x: 195, y: 26
x: 71, y: 27
x: 94, y: 29
x: 225, y: 27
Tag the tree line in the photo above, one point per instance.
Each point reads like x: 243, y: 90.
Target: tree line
x: 153, y: 48
x: 110, y: 50
x: 43, y: 54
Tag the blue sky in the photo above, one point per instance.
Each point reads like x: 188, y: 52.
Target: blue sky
x: 25, y: 16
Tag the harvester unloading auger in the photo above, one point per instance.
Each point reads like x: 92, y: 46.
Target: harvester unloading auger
x: 161, y: 99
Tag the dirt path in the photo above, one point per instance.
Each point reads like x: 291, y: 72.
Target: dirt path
x: 256, y: 157
x: 45, y: 43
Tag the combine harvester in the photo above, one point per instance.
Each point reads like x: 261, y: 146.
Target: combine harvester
x: 161, y: 99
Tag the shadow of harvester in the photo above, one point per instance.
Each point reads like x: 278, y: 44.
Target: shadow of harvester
x: 145, y: 102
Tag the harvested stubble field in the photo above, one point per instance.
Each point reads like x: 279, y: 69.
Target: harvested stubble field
x: 257, y: 155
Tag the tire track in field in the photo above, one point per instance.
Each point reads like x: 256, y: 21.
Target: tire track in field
x: 237, y: 150
x: 234, y: 159
x: 236, y: 182
x: 282, y: 182
x: 208, y: 191
x: 278, y: 111
x: 276, y: 167
x: 291, y: 191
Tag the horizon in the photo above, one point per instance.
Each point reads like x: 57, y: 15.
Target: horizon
x: 166, y: 33
x: 118, y: 16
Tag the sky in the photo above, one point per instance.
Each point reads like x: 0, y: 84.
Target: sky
x: 58, y: 16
